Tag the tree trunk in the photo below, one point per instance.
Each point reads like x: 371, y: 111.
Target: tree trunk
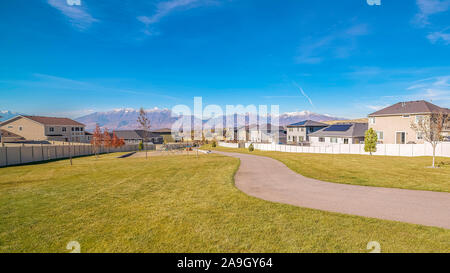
x: 434, y: 155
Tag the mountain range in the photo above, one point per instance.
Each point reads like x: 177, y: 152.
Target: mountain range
x: 125, y: 119
x: 5, y: 115
x: 122, y: 119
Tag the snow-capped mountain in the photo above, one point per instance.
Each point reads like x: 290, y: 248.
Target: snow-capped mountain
x: 6, y: 114
x: 121, y: 119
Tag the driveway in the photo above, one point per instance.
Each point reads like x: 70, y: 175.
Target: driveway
x: 271, y: 180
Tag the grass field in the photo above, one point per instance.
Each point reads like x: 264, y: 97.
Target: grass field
x: 176, y: 204
x: 378, y: 171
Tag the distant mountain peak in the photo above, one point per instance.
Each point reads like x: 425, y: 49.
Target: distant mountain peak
x: 126, y: 118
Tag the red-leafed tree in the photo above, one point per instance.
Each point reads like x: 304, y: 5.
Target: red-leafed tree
x: 97, y: 139
x: 121, y: 142
x: 107, y: 141
x: 115, y: 141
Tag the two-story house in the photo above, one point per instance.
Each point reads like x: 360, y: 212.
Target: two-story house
x: 299, y: 132
x: 37, y: 128
x: 267, y: 133
x: 393, y: 123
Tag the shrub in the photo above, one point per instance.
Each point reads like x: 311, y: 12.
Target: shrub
x: 214, y: 144
x: 251, y: 148
x: 141, y: 146
x: 370, y: 141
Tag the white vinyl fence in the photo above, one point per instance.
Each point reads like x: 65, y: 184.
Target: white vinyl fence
x: 442, y: 149
x: 229, y: 145
x: 27, y: 154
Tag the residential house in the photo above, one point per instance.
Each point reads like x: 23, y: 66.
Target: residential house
x: 243, y: 134
x: 393, y: 123
x: 299, y: 132
x: 138, y: 136
x: 166, y: 134
x: 351, y: 133
x: 37, y: 128
x: 267, y: 133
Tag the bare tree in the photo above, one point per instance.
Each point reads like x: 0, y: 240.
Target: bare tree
x: 144, y: 124
x: 431, y: 128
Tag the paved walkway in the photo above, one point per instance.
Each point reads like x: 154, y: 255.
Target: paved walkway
x: 271, y: 180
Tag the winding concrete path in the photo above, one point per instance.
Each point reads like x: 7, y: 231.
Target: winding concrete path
x: 271, y: 180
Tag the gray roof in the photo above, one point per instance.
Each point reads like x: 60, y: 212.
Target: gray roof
x: 308, y: 123
x: 134, y: 134
x: 410, y: 107
x: 352, y: 130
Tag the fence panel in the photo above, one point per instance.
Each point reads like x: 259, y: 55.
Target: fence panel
x: 410, y: 150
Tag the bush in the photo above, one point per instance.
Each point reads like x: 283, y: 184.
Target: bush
x: 141, y: 146
x: 214, y: 144
x: 251, y: 148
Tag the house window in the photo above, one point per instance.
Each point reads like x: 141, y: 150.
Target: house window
x: 300, y: 139
x: 51, y: 129
x: 10, y: 127
x: 333, y: 140
x: 419, y: 135
x: 63, y: 129
x: 20, y: 128
x: 345, y: 140
x: 73, y: 129
x: 406, y: 116
x: 81, y: 129
x: 380, y: 135
x: 77, y: 129
x: 372, y: 120
x: 419, y: 119
x: 321, y: 139
x: 291, y: 130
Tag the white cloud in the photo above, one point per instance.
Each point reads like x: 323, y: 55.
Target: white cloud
x: 436, y: 88
x: 428, y: 8
x: 435, y: 37
x: 164, y: 9
x: 77, y: 15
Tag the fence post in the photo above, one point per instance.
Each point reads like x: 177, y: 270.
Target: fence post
x: 6, y: 155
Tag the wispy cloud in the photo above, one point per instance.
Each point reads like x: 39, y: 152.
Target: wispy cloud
x: 428, y: 8
x: 165, y: 8
x: 78, y: 16
x: 47, y: 82
x: 337, y: 44
x: 304, y: 94
x: 439, y: 36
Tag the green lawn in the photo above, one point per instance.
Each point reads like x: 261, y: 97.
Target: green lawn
x: 378, y: 171
x: 176, y: 204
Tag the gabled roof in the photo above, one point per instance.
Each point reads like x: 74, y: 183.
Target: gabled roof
x: 342, y: 130
x: 410, y: 107
x: 47, y: 120
x: 308, y: 123
x: 5, y: 133
x: 134, y: 134
x: 163, y: 131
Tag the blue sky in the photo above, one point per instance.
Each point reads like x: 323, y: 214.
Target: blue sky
x: 343, y: 58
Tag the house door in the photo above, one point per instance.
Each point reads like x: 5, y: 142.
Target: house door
x: 400, y: 138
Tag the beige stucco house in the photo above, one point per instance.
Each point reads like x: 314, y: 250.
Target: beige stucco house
x: 393, y: 123
x: 37, y: 128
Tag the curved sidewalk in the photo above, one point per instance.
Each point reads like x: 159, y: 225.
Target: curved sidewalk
x: 271, y: 180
